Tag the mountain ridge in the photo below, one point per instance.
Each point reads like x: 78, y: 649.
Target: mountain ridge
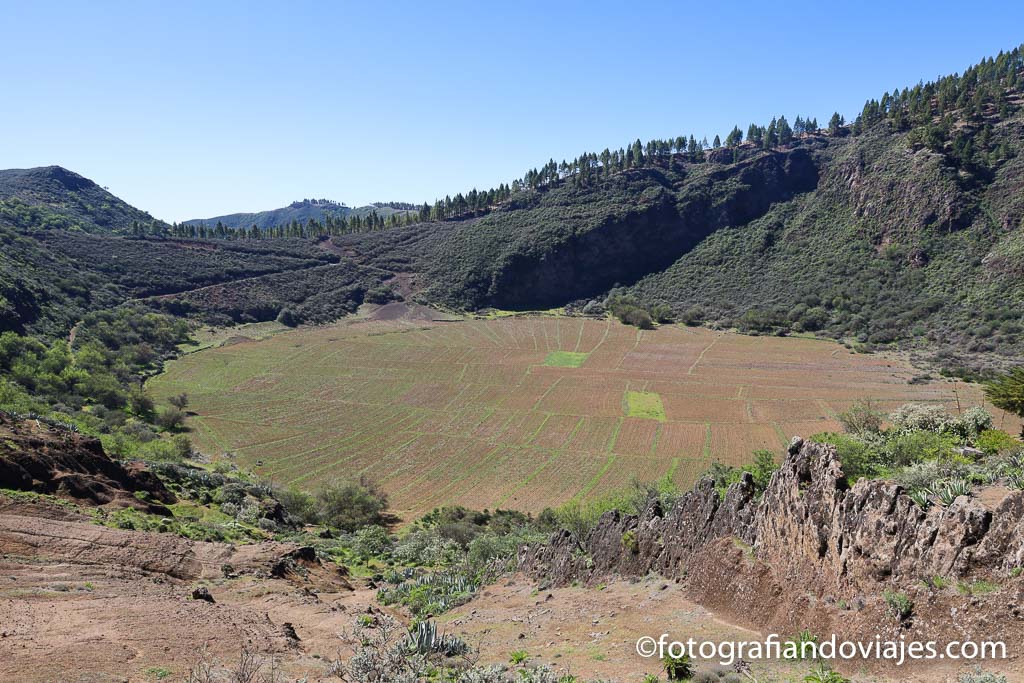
x: 300, y: 211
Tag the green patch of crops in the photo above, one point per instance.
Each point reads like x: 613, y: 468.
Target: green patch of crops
x: 646, y: 404
x: 565, y: 359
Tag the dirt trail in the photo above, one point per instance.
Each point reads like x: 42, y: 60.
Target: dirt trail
x: 592, y: 632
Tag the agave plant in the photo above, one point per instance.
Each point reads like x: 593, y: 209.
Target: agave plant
x: 1015, y: 480
x: 823, y: 673
x: 425, y: 639
x: 921, y: 497
x: 952, y: 490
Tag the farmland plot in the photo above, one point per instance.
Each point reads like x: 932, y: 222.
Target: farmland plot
x: 523, y: 411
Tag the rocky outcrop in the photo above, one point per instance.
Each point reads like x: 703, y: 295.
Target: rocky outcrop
x: 811, y: 542
x: 37, y: 457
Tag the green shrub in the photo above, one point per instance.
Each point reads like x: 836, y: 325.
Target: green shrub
x: 288, y: 317
x: 630, y: 542
x: 907, y: 448
x: 801, y: 645
x: 861, y: 418
x: 370, y: 542
x: 823, y: 673
x: 996, y: 442
x: 677, y: 668
x: 299, y: 505
x: 900, y: 604
x: 859, y: 458
x: 171, y: 419
x: 351, y: 505
x: 979, y: 587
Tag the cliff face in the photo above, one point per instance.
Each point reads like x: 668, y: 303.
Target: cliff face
x: 814, y: 552
x: 653, y: 234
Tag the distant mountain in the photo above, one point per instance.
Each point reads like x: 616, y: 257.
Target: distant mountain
x: 301, y: 211
x: 71, y: 201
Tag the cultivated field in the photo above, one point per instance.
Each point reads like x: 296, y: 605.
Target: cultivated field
x: 522, y: 412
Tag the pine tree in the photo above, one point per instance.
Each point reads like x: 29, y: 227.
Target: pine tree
x: 734, y: 137
x: 835, y: 123
x: 1007, y: 392
x: 785, y: 133
x: 771, y: 135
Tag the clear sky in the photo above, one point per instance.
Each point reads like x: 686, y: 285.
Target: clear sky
x: 192, y: 109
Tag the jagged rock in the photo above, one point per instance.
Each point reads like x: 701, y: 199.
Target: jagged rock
x: 203, y: 593
x: 814, y: 553
x: 809, y: 529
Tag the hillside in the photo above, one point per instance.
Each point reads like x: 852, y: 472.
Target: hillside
x: 303, y: 211
x: 50, y: 277
x: 902, y: 227
x: 69, y: 200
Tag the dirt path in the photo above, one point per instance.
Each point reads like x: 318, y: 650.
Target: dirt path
x: 592, y: 632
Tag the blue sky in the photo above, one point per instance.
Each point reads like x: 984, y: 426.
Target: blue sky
x: 193, y: 109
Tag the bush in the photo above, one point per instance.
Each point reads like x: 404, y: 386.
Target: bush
x: 351, y: 505
x: 300, y: 506
x: 426, y: 548
x: 636, y: 317
x: 922, y: 476
x: 677, y: 668
x: 859, y: 459
x: 910, y: 447
x: 996, y: 442
x: 179, y: 401
x: 919, y: 417
x: 371, y: 541
x: 171, y: 419
x: 861, y: 418
x: 378, y: 295
x: 694, y: 315
x: 823, y: 673
x: 288, y: 318
x: 900, y: 604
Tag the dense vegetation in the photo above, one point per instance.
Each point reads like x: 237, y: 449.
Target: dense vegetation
x: 310, y: 295
x: 54, y: 270
x: 936, y: 456
x: 70, y: 201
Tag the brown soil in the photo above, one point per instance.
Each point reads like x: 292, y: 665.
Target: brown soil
x: 81, y: 602
x: 592, y: 632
